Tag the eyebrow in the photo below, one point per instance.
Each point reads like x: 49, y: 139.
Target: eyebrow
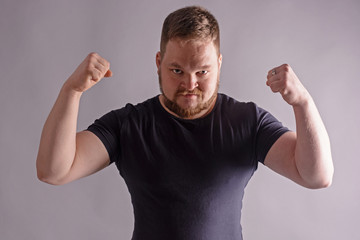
x: 176, y: 65
x: 205, y: 67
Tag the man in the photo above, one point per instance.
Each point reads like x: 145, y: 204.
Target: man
x: 187, y: 154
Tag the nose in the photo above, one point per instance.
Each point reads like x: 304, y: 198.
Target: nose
x: 191, y: 82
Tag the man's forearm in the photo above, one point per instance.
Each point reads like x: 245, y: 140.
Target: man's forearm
x: 58, y: 140
x: 313, y: 153
x: 57, y: 156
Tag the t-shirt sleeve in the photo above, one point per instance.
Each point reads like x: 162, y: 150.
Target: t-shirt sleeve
x: 269, y: 129
x: 107, y: 130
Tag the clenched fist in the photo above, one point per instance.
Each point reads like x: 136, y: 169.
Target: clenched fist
x: 89, y: 72
x: 282, y: 79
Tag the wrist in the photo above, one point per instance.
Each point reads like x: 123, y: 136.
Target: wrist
x: 305, y: 105
x: 304, y: 100
x: 70, y: 91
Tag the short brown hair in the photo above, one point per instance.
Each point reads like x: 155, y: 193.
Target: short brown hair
x: 192, y: 22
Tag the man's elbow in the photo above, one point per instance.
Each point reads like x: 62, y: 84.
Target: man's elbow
x: 49, y: 178
x: 324, y: 182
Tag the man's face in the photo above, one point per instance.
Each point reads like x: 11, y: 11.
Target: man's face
x: 189, y: 77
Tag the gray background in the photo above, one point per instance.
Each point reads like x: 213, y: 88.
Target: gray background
x: 42, y: 42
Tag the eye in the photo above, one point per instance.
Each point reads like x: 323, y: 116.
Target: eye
x: 203, y: 72
x: 176, y: 71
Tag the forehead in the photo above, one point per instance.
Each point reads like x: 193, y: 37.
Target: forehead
x: 190, y: 52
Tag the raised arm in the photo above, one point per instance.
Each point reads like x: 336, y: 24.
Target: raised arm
x: 65, y: 155
x: 304, y: 156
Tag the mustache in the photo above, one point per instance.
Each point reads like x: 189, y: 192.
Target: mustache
x: 196, y: 91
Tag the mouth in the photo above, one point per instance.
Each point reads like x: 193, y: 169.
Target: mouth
x: 189, y: 95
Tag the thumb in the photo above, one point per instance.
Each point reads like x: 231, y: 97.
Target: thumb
x: 108, y: 73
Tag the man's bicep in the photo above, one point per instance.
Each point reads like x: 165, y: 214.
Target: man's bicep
x: 91, y: 156
x: 281, y: 157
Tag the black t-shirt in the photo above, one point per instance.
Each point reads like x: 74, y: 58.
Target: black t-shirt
x: 187, y: 177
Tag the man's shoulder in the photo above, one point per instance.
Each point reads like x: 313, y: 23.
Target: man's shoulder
x: 142, y: 108
x: 229, y: 103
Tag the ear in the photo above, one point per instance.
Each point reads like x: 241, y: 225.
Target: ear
x: 220, y: 61
x: 158, y: 61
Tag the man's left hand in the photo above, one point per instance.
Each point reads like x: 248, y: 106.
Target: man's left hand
x: 282, y: 79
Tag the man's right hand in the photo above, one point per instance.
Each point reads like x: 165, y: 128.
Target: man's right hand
x: 65, y: 155
x: 88, y: 73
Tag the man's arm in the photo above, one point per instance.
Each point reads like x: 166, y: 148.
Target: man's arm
x: 304, y: 156
x: 65, y: 155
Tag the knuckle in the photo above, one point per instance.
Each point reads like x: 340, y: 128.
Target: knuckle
x: 93, y: 54
x: 92, y: 57
x: 89, y: 68
x: 286, y: 67
x: 95, y: 76
x: 106, y: 64
x: 89, y: 63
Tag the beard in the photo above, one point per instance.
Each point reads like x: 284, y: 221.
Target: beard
x: 189, y: 112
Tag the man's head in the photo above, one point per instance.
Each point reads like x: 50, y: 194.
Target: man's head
x: 194, y: 23
x: 189, y: 62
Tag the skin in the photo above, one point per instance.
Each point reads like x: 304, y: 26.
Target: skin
x: 304, y: 156
x: 189, y: 76
x: 189, y: 73
x: 65, y: 155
